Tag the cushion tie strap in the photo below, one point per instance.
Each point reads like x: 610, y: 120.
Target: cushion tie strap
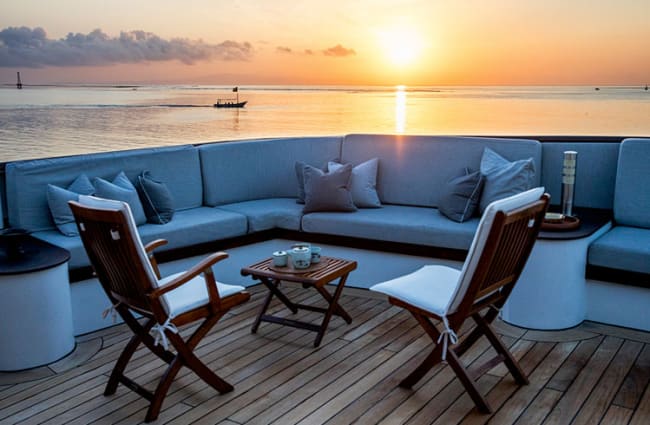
x: 159, y: 331
x: 493, y: 307
x: 447, y: 335
x: 111, y: 310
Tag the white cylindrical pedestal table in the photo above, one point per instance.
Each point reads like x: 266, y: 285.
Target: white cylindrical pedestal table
x: 551, y: 293
x: 36, y: 328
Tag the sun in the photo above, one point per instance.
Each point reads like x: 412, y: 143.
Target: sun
x: 402, y: 46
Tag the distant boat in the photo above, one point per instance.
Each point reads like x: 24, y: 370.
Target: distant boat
x: 224, y: 103
x: 597, y: 88
x: 231, y: 103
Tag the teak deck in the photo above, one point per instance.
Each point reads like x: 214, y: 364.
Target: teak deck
x: 587, y: 375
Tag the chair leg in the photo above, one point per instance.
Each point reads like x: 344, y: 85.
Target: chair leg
x: 140, y: 335
x: 469, y: 384
x: 431, y: 360
x: 186, y: 357
x: 452, y: 359
x: 508, y: 359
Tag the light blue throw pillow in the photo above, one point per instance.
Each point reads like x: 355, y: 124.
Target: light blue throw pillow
x: 328, y: 191
x: 121, y: 189
x: 504, y: 178
x: 157, y: 201
x: 57, y: 200
x: 363, y: 184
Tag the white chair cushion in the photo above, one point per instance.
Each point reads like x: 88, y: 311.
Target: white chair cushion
x: 192, y: 294
x: 429, y: 288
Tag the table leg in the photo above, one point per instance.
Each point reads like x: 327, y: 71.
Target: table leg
x: 272, y: 285
x: 333, y: 306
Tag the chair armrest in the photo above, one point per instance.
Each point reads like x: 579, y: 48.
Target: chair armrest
x: 201, y: 267
x: 149, y: 248
x: 155, y: 244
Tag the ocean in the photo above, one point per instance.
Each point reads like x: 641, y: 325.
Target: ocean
x: 48, y: 121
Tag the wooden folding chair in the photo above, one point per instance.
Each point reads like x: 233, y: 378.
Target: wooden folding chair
x: 497, y: 256
x: 130, y: 277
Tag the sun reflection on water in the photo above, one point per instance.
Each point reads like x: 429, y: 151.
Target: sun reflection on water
x: 400, y: 109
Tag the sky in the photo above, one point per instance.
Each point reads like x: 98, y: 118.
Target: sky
x: 326, y: 42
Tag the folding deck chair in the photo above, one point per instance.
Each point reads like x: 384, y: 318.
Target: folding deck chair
x: 501, y: 246
x: 130, y: 277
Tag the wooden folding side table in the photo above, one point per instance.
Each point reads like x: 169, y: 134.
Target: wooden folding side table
x: 317, y: 276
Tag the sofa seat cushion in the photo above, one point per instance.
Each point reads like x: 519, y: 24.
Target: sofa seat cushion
x: 413, y: 225
x: 265, y: 214
x: 623, y: 248
x: 189, y: 227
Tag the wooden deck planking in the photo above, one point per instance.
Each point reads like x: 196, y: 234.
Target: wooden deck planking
x: 597, y: 373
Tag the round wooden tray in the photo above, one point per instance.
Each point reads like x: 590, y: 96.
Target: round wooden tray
x: 290, y: 270
x: 568, y: 223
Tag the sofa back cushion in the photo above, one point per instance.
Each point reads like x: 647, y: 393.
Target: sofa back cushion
x: 595, y: 172
x: 632, y: 194
x: 26, y: 181
x: 259, y: 169
x: 413, y: 170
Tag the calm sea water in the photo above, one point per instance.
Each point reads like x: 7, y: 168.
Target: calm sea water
x: 54, y: 121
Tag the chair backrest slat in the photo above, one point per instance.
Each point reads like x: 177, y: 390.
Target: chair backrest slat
x: 501, y: 245
x: 507, y: 249
x: 113, y: 253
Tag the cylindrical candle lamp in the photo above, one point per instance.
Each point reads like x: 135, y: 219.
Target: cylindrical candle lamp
x: 568, y: 181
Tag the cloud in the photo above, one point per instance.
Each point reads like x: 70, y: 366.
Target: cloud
x: 283, y: 49
x: 26, y: 47
x: 339, y: 51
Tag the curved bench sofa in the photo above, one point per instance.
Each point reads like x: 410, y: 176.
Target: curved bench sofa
x: 231, y: 191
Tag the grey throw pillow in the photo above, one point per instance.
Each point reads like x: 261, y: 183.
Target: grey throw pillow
x: 300, y: 177
x: 363, y: 184
x: 328, y: 191
x: 461, y: 196
x: 121, y: 189
x: 157, y: 201
x: 504, y: 178
x: 57, y: 200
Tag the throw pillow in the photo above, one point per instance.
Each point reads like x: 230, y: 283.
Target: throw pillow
x: 121, y: 189
x: 57, y: 200
x: 328, y: 191
x: 157, y: 201
x: 363, y: 184
x: 300, y: 176
x: 504, y: 178
x: 461, y: 196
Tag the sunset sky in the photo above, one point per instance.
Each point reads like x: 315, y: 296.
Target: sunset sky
x: 369, y: 42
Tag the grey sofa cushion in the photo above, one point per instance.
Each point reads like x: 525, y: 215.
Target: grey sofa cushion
x: 461, y: 196
x: 157, y: 201
x: 260, y: 169
x: 265, y: 214
x: 415, y: 225
x: 363, y: 185
x: 121, y: 189
x: 328, y: 191
x: 26, y: 181
x: 632, y: 196
x: 504, y: 178
x: 414, y: 169
x: 624, y: 248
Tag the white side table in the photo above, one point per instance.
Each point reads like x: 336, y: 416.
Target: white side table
x: 551, y: 293
x: 36, y: 326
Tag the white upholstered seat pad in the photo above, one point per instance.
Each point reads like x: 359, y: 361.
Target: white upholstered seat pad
x: 430, y: 288
x: 192, y: 294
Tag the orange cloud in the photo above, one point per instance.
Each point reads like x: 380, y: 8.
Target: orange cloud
x: 339, y: 51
